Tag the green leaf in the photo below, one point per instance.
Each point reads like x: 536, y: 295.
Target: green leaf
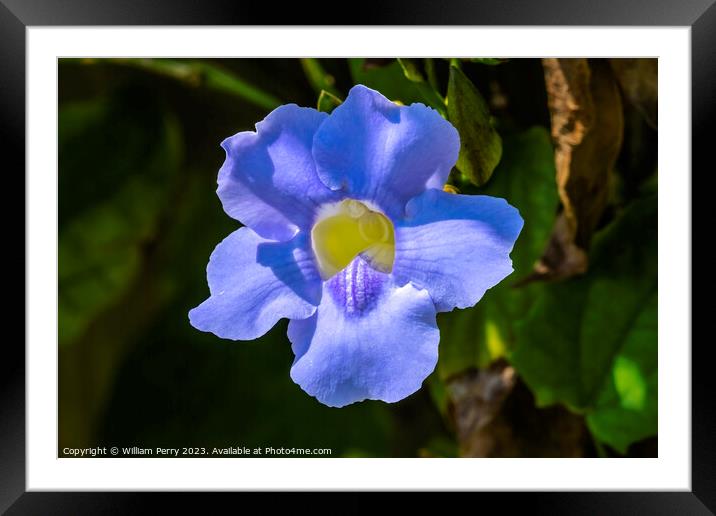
x: 432, y: 73
x: 462, y: 341
x: 476, y: 336
x: 390, y: 80
x: 591, y: 342
x: 317, y: 76
x: 526, y: 179
x: 100, y: 248
x: 327, y: 102
x: 490, y: 61
x: 215, y: 77
x: 411, y: 70
x: 480, y: 144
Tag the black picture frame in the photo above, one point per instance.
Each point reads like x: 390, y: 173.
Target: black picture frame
x: 17, y: 15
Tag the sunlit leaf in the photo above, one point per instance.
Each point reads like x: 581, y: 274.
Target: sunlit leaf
x: 590, y: 342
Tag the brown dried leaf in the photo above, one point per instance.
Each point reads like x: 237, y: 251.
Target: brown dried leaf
x: 495, y: 416
x: 587, y: 128
x: 477, y: 397
x: 562, y: 258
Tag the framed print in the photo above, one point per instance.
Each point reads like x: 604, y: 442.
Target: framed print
x: 421, y: 253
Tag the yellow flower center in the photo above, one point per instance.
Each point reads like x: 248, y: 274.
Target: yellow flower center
x: 350, y: 228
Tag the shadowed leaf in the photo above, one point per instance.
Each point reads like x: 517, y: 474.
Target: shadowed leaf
x: 638, y: 79
x: 389, y: 79
x: 317, y: 76
x: 480, y: 144
x: 411, y: 69
x: 196, y: 74
x: 327, y: 102
x: 490, y: 61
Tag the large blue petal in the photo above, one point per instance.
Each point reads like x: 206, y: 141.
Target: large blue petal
x: 255, y: 282
x: 370, y: 148
x: 455, y: 246
x: 269, y: 180
x: 369, y: 339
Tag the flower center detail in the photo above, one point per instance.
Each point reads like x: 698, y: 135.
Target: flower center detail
x: 350, y: 228
x: 357, y: 287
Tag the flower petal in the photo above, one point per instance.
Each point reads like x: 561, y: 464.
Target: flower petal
x: 369, y: 339
x: 269, y: 180
x: 455, y: 246
x: 372, y: 149
x: 255, y: 282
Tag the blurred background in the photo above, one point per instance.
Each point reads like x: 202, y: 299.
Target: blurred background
x: 558, y: 360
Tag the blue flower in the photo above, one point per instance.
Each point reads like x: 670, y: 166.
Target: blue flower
x: 349, y: 234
